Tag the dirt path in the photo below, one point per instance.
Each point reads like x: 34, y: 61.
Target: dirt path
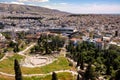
x: 20, y: 53
x: 30, y: 75
x: 6, y: 54
x: 29, y: 47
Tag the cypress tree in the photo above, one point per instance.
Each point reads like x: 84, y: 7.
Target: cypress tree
x: 18, y: 74
x: 54, y: 76
x: 46, y: 46
x: 78, y: 77
x: 117, y: 75
x: 78, y: 62
x: 16, y: 48
x: 82, y: 63
x: 89, y: 74
x: 116, y: 33
x: 108, y: 71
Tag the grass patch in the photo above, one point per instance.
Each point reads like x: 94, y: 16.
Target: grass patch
x: 7, y: 65
x: 60, y: 76
x: 60, y: 64
x: 10, y: 49
x: 2, y: 77
x: 1, y: 55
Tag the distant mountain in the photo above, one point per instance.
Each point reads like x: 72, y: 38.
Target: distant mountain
x: 32, y: 10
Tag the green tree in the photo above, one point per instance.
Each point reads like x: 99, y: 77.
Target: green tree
x: 117, y: 75
x: 32, y: 50
x: 16, y: 49
x: 116, y: 63
x: 46, y: 47
x: 13, y: 24
x: 21, y: 35
x: 18, y: 74
x: 78, y: 62
x: 12, y: 44
x: 82, y: 63
x: 108, y: 67
x: 78, y: 77
x: 1, y: 25
x: 89, y: 73
x: 54, y: 76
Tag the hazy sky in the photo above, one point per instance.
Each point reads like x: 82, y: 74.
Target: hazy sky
x: 75, y: 6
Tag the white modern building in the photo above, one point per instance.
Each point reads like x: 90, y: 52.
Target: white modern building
x: 66, y: 30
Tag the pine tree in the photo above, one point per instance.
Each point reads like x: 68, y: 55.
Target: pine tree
x: 18, y: 74
x: 54, y: 76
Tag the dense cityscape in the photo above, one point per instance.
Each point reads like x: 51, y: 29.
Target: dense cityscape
x: 38, y: 43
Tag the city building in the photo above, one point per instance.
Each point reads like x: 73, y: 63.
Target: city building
x: 63, y: 30
x: 2, y: 38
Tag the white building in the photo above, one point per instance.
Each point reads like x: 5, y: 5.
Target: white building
x: 2, y: 38
x: 66, y: 30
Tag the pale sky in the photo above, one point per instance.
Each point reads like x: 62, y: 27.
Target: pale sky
x: 74, y: 6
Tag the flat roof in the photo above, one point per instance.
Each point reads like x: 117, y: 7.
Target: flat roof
x: 63, y: 28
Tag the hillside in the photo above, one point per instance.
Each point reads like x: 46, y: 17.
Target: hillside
x: 29, y: 10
